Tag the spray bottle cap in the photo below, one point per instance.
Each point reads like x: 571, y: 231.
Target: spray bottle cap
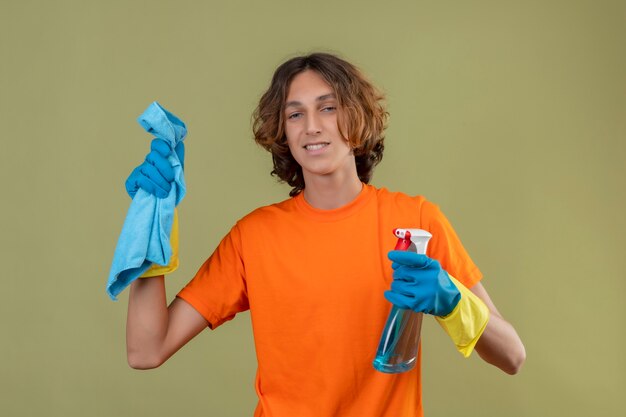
x: 415, y: 240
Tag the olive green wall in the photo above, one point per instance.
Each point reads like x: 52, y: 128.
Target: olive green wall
x: 509, y: 115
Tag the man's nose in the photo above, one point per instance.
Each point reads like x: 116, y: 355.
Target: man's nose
x: 313, y: 125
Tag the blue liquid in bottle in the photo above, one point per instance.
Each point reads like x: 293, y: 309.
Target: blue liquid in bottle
x: 397, y: 350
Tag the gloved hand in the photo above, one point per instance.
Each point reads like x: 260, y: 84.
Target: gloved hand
x: 420, y: 284
x: 155, y: 175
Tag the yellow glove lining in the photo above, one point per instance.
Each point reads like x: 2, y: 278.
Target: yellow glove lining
x: 155, y: 269
x: 467, y: 322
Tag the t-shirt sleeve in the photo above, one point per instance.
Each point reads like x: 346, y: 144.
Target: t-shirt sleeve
x: 446, y: 247
x: 218, y: 290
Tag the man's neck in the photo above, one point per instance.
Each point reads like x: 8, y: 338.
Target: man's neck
x: 332, y: 191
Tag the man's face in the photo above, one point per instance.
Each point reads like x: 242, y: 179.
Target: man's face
x: 311, y: 127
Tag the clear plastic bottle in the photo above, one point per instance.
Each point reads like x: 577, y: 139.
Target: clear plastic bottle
x: 397, y: 349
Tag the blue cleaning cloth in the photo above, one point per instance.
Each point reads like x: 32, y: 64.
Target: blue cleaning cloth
x: 145, y: 237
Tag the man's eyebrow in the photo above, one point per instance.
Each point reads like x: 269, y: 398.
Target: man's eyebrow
x: 326, y: 97
x: 295, y: 103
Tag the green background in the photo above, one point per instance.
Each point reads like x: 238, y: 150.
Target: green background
x: 510, y: 115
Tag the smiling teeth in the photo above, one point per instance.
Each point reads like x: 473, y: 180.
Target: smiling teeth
x: 315, y: 147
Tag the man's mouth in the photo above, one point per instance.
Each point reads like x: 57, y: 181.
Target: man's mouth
x: 316, y: 146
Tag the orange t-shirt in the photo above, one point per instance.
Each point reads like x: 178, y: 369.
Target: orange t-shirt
x: 314, y: 282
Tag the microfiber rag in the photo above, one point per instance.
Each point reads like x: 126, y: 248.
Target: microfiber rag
x: 145, y: 237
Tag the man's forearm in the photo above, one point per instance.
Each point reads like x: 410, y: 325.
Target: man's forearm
x: 146, y: 323
x: 499, y: 345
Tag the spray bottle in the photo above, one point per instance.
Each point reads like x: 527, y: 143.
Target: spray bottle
x: 397, y: 349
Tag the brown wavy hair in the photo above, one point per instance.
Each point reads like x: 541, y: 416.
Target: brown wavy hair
x: 362, y: 116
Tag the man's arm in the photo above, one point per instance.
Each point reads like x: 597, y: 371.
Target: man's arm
x: 154, y: 332
x: 499, y: 344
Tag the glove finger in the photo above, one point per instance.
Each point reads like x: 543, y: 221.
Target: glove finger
x: 155, y: 177
x: 161, y: 146
x: 131, y: 182
x: 422, y: 306
x: 408, y: 258
x: 407, y: 273
x: 162, y: 165
x: 401, y: 288
x: 398, y: 300
x: 415, y: 301
x: 150, y: 187
x: 402, y: 275
x: 180, y: 151
x: 395, y: 266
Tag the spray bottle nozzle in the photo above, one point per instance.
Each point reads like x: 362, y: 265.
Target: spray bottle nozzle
x: 404, y: 239
x: 415, y: 240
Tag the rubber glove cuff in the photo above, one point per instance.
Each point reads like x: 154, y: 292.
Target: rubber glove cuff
x: 467, y: 322
x: 157, y: 270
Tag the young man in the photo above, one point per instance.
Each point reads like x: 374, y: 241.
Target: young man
x: 314, y: 270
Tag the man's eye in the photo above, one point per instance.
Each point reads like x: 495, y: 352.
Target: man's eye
x: 329, y: 108
x: 294, y: 115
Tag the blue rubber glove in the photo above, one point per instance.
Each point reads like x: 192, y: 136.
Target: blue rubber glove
x: 420, y: 284
x: 155, y: 175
